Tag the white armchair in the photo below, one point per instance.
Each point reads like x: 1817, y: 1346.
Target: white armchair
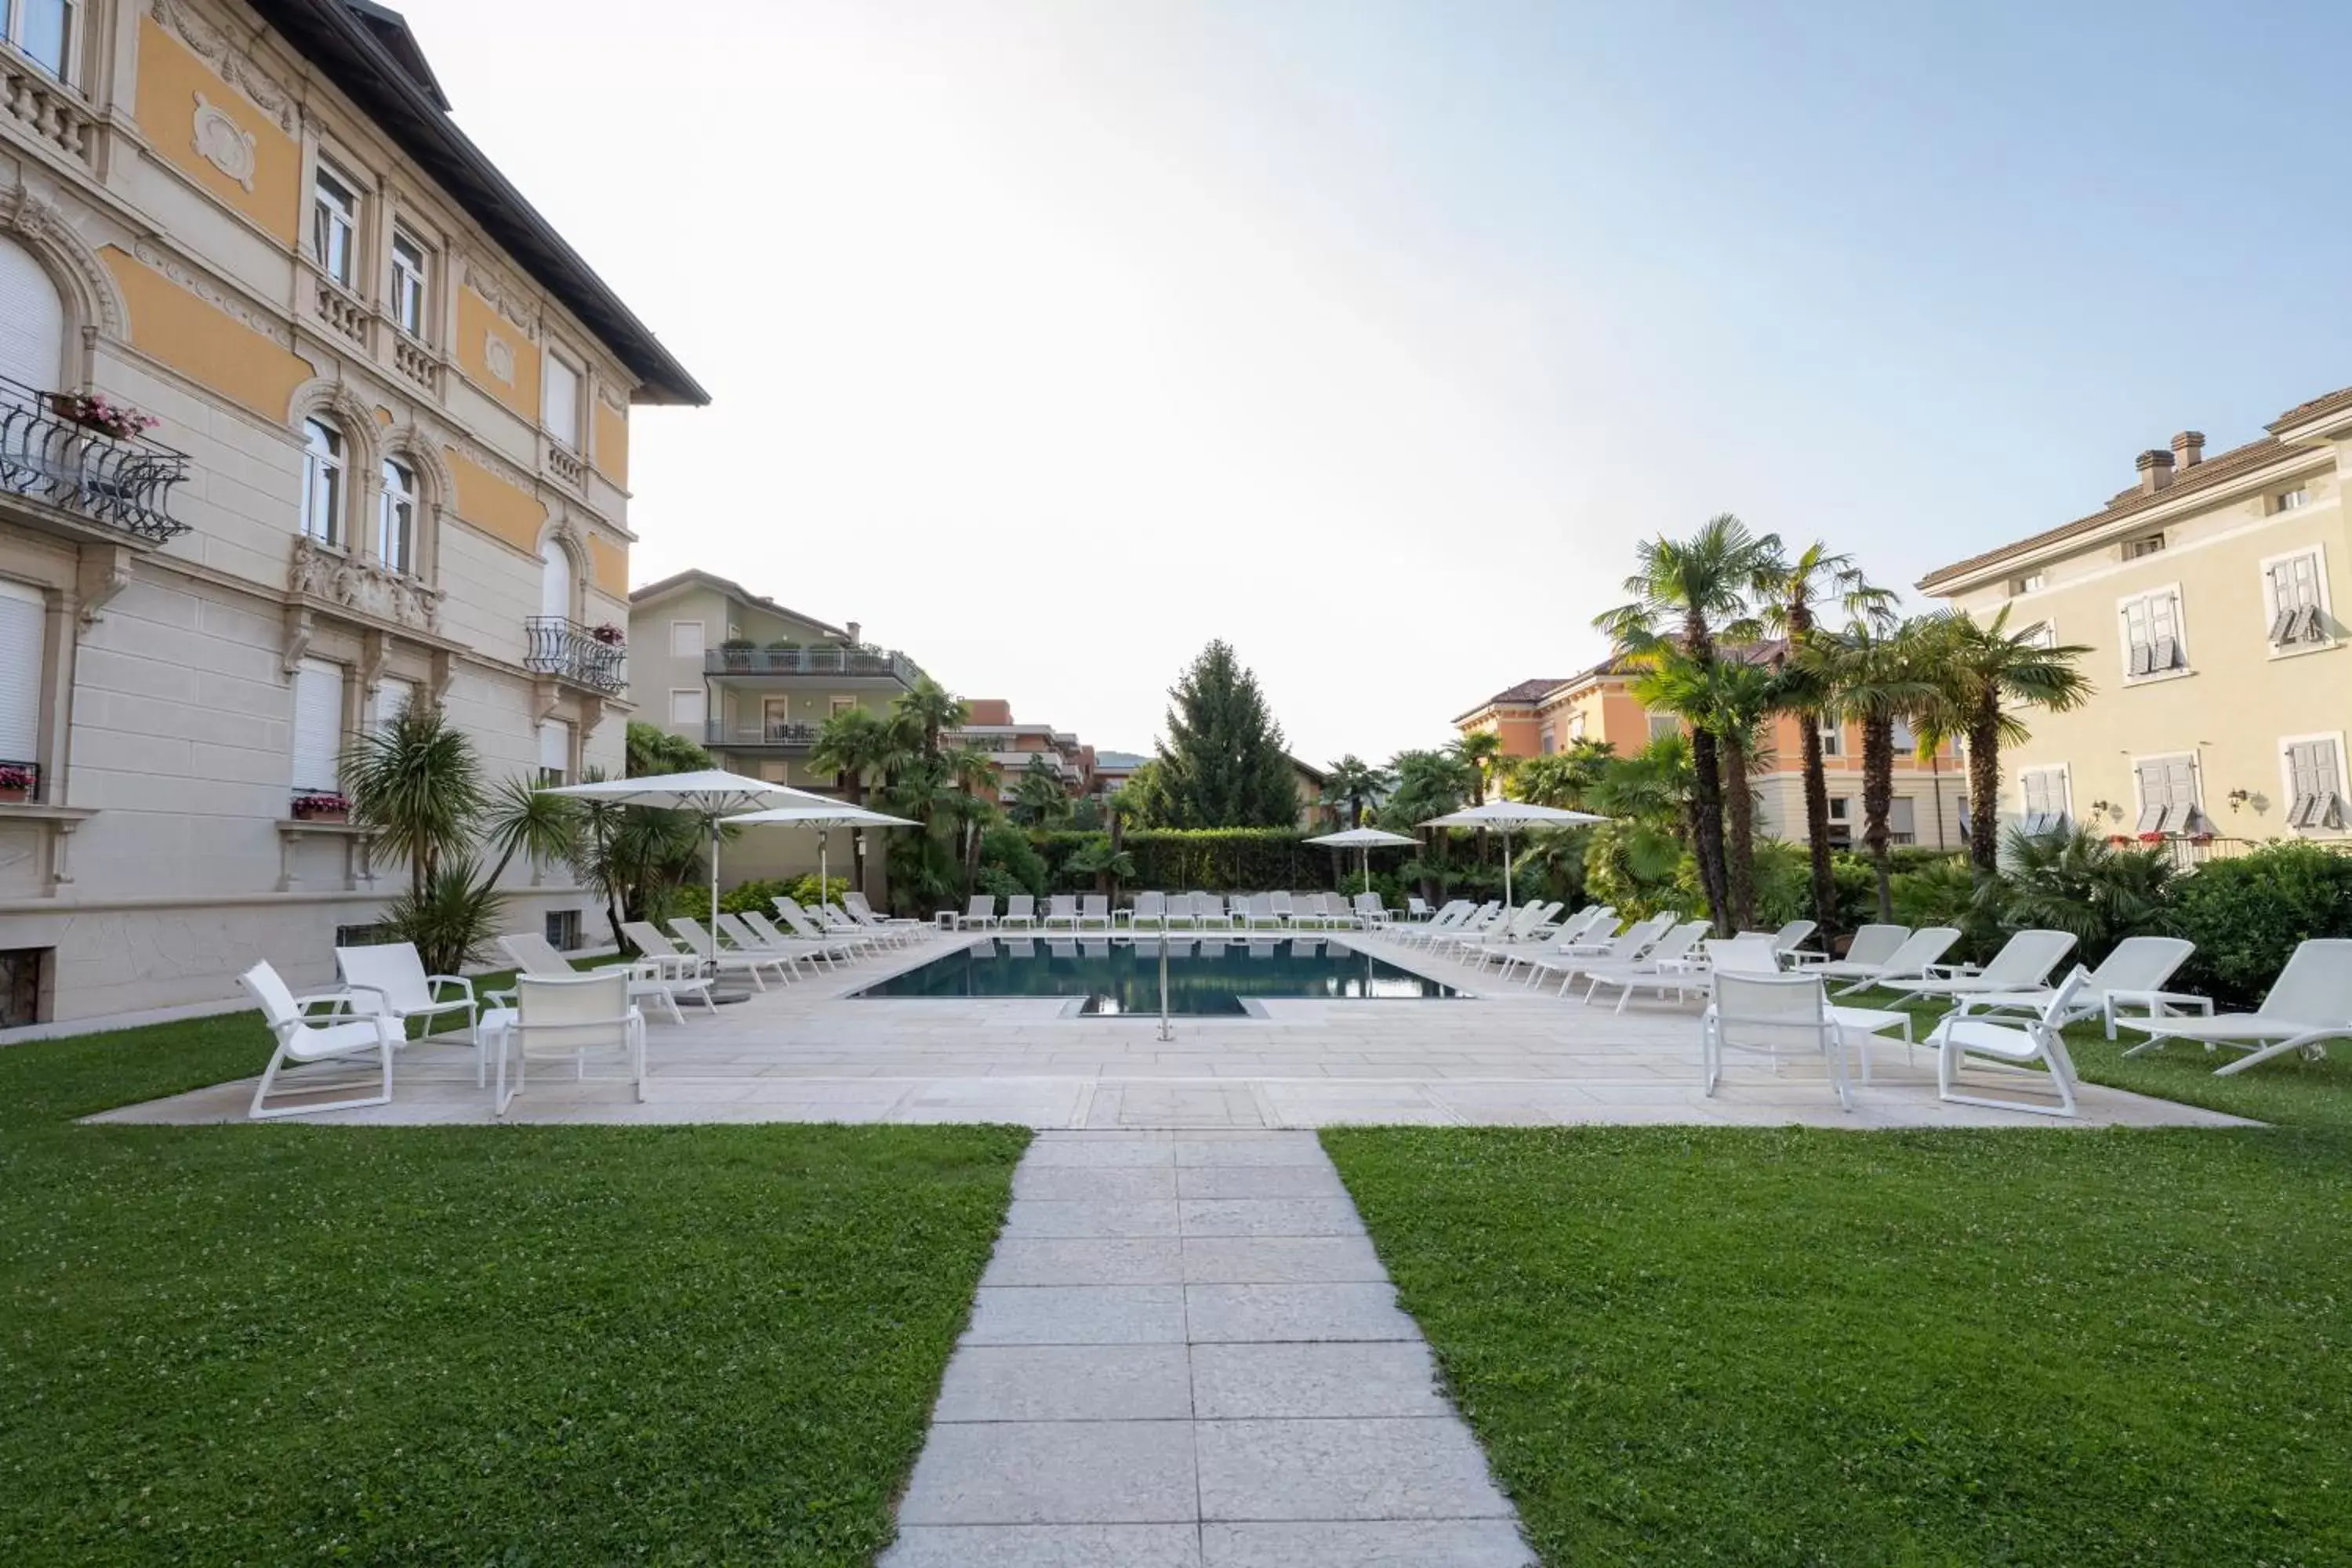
x: 567, y: 1020
x: 304, y: 1038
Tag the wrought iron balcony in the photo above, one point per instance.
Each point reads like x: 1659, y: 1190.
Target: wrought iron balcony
x: 776, y: 737
x: 48, y: 455
x: 570, y: 651
x: 815, y: 659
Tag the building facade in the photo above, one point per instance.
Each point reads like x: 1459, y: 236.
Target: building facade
x: 2206, y: 595
x: 1538, y: 718
x: 379, y: 456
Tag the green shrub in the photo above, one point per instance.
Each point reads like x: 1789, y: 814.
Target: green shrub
x: 2247, y: 915
x: 1019, y: 869
x: 2078, y: 883
x: 1947, y: 893
x: 762, y: 895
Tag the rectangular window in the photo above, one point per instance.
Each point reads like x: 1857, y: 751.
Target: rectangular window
x: 563, y: 930
x: 2152, y: 640
x: 391, y: 700
x: 840, y: 704
x: 2315, y: 785
x: 409, y: 274
x: 1832, y: 737
x: 2042, y: 633
x: 1842, y: 818
x: 334, y: 225
x: 1663, y: 725
x: 2046, y: 803
x: 317, y: 724
x: 1904, y: 739
x: 20, y: 985
x: 686, y: 639
x: 1575, y: 726
x: 395, y: 518
x: 2168, y: 797
x: 687, y: 707
x: 1547, y: 740
x: 2291, y: 592
x: 24, y: 621
x: 555, y: 753
x: 2145, y: 545
x: 2031, y: 583
x: 2290, y: 501
x: 561, y: 404
x: 1902, y: 820
x: 45, y: 32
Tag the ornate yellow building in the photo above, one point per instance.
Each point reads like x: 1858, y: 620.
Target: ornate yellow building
x: 379, y: 451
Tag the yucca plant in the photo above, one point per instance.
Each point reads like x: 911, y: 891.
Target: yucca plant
x: 2075, y: 881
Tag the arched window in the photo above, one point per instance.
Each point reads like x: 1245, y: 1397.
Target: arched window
x: 32, y: 321
x: 323, y: 480
x: 395, y: 518
x: 554, y: 580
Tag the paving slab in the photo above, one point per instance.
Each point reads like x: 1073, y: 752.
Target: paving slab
x: 1054, y: 1472
x: 1071, y: 1382
x: 1288, y: 1313
x: 1270, y: 1216
x: 1279, y: 1259
x: 1092, y: 1260
x: 1050, y: 1546
x: 1315, y: 1381
x: 1077, y: 1315
x: 1387, y: 1544
x: 1255, y: 1181
x: 1043, y: 1217
x: 1347, y: 1469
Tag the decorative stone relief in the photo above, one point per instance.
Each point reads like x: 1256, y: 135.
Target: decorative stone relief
x: 613, y: 398
x: 362, y: 585
x: 504, y: 296
x: 500, y: 355
x: 222, y: 143
x: 30, y: 216
x: 214, y: 49
x: 482, y: 456
x: 203, y: 288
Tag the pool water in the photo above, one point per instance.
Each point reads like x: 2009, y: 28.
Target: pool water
x: 1207, y: 976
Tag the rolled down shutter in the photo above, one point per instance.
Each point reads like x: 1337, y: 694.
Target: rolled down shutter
x: 1902, y: 818
x: 391, y: 700
x: 22, y: 615
x: 32, y: 321
x: 318, y: 723
x: 555, y: 748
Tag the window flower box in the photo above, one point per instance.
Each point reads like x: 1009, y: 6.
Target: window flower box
x: 96, y: 412
x: 736, y: 652
x: 610, y: 635
x: 18, y: 783
x: 2151, y: 839
x: 322, y: 808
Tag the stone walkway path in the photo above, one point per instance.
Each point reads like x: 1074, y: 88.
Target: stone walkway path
x: 1185, y: 1355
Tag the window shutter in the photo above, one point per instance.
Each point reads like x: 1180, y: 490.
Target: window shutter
x: 391, y: 700
x: 687, y: 707
x: 32, y: 321
x: 563, y: 400
x: 686, y: 639
x: 2153, y: 798
x: 2037, y: 795
x: 555, y: 747
x: 318, y: 723
x: 22, y: 616
x: 1901, y: 816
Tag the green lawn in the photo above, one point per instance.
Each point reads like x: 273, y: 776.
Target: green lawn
x: 1788, y: 1346
x: 437, y: 1345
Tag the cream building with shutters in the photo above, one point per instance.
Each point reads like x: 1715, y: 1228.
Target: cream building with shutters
x: 387, y: 464
x: 2207, y: 594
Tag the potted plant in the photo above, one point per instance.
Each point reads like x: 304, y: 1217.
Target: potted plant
x: 322, y: 806
x: 2151, y: 839
x: 610, y: 635
x: 16, y: 782
x: 737, y: 652
x: 96, y: 412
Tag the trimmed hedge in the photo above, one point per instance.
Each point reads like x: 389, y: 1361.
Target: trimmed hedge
x: 1222, y: 859
x: 2247, y: 915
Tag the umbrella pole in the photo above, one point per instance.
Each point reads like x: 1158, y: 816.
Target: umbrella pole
x: 714, y: 888
x: 823, y: 882
x: 1507, y: 871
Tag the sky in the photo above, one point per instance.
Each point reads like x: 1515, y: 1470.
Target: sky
x: 1049, y: 340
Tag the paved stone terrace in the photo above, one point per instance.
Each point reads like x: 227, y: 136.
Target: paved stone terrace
x: 1504, y: 1055
x: 1185, y: 1355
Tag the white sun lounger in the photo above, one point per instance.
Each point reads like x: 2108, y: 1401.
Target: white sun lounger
x: 1872, y: 946
x: 2133, y: 975
x: 1921, y: 948
x: 2309, y: 1003
x: 2023, y: 963
x: 2016, y: 1044
x: 1661, y: 967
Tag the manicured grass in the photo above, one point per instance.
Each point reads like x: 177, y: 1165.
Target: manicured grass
x: 271, y: 1344
x: 1786, y: 1346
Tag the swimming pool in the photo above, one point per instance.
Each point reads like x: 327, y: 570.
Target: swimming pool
x: 1207, y: 976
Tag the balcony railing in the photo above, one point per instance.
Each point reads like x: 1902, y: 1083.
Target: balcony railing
x: 821, y: 658
x: 123, y: 481
x: 570, y: 651
x: 780, y: 736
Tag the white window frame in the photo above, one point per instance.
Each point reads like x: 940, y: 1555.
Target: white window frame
x: 325, y: 513
x: 1832, y: 734
x: 701, y: 703
x: 2043, y: 633
x: 411, y: 283
x: 396, y: 517
x: 1672, y: 721
x: 701, y: 639
x: 2343, y: 791
x: 1575, y: 726
x: 380, y: 719
x: 1906, y: 739
x: 2326, y: 617
x: 549, y: 729
x: 2064, y: 794
x: 2140, y: 546
x: 320, y: 670
x: 1547, y: 740
x: 1896, y: 804
x: 13, y: 15
x: 329, y: 215
x: 33, y: 614
x: 2294, y: 499
x: 2026, y: 582
x: 567, y: 440
x: 2196, y: 821
x: 2179, y: 628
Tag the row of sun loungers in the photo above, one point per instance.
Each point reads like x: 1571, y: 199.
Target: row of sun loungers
x: 1175, y: 911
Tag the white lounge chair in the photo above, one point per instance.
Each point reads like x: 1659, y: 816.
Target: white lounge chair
x: 1622, y: 949
x: 978, y: 914
x: 566, y: 1020
x: 2019, y: 1044
x: 1416, y: 908
x: 746, y: 938
x: 1573, y: 932
x: 1454, y: 915
x: 2309, y: 1003
x: 305, y: 1039
x: 2132, y: 975
x: 1370, y: 911
x: 749, y: 961
x: 1536, y: 924
x: 394, y: 972
x: 1872, y: 946
x: 1094, y: 911
x: 2023, y: 963
x: 1209, y: 909
x: 1019, y: 912
x: 809, y: 928
x: 1061, y: 912
x: 1773, y: 1015
x: 649, y: 940
x: 1661, y: 967
x: 835, y: 919
x: 865, y: 914
x: 1794, y: 936
x: 1920, y: 949
x: 650, y: 979
x: 1150, y: 911
x: 819, y: 950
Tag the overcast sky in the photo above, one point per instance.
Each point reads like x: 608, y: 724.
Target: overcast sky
x: 1050, y: 341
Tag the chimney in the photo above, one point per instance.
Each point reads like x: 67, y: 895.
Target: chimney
x: 2188, y: 449
x: 855, y: 628
x: 2155, y: 470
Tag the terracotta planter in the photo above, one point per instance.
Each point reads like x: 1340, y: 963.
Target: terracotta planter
x: 328, y: 817
x: 10, y: 795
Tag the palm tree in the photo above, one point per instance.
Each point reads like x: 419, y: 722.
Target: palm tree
x: 1686, y: 595
x: 1039, y: 796
x: 1871, y: 675
x: 860, y: 747
x: 1982, y: 671
x: 1816, y: 577
x: 1482, y: 752
x: 1355, y: 783
x: 1429, y: 783
x: 932, y: 708
x: 1647, y: 798
x: 1561, y: 778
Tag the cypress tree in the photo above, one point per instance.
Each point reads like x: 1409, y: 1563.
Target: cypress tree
x: 1221, y: 764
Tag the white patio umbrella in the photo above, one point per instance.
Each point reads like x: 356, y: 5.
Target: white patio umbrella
x: 711, y: 793
x: 1365, y: 840
x: 825, y: 817
x: 1507, y: 816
